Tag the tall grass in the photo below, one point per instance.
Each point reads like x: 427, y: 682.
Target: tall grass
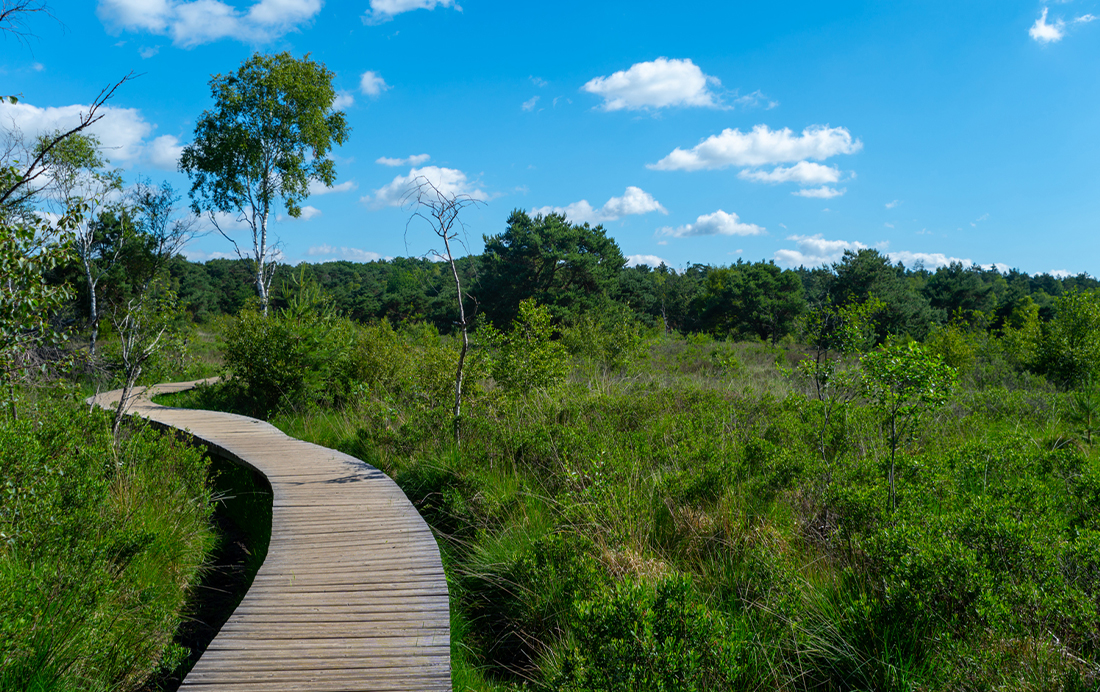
x: 671, y: 522
x: 100, y: 545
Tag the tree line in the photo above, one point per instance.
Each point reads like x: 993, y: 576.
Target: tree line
x: 577, y: 270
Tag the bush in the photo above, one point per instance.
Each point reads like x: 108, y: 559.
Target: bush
x: 638, y: 636
x: 99, y: 546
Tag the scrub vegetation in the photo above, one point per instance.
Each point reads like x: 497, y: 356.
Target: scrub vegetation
x: 849, y: 507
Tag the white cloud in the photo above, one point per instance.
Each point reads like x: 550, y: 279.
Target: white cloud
x: 648, y: 260
x: 343, y: 100
x: 372, y: 84
x: 1047, y: 33
x: 657, y: 84
x: 148, y: 52
x: 309, y: 212
x: 815, y: 250
x: 164, y: 152
x: 121, y: 131
x: 760, y: 147
x: 718, y: 223
x: 38, y: 67
x: 195, y: 22
x: 756, y: 98
x: 318, y: 188
x: 1085, y: 19
x: 448, y: 180
x: 203, y: 256
x: 803, y: 173
x: 930, y: 260
x: 538, y: 81
x: 823, y: 192
x: 414, y: 160
x: 529, y: 104
x: 385, y: 10
x: 352, y: 254
x: 891, y: 205
x: 634, y: 201
x: 1059, y: 273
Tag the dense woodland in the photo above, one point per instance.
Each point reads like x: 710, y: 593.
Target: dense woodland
x: 576, y: 270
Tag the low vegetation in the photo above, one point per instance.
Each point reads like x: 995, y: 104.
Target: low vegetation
x: 101, y: 541
x: 635, y: 510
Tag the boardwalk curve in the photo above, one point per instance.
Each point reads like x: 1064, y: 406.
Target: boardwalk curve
x: 352, y: 594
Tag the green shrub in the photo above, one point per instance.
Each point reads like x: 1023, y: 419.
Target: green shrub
x: 638, y: 636
x: 99, y: 546
x: 528, y: 356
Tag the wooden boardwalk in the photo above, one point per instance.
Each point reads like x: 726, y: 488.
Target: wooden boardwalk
x: 351, y: 596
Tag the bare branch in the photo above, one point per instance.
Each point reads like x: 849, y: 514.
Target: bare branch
x: 37, y: 166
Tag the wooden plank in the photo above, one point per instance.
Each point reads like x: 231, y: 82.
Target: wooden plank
x: 352, y: 594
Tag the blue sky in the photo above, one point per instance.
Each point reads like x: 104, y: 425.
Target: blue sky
x: 698, y: 133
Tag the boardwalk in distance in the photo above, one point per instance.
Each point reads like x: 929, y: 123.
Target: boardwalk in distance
x: 352, y: 594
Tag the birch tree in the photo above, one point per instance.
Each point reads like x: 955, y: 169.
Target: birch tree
x: 267, y: 137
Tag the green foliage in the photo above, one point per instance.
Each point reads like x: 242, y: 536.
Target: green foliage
x: 646, y: 637
x: 27, y: 302
x: 1022, y: 332
x: 752, y: 299
x: 903, y: 380
x: 611, y: 338
x: 865, y: 273
x: 1069, y: 349
x: 269, y: 134
x: 528, y: 356
x: 954, y: 345
x: 99, y: 546
x: 570, y: 268
x: 267, y: 137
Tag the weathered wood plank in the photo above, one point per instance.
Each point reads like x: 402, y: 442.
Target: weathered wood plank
x: 352, y: 594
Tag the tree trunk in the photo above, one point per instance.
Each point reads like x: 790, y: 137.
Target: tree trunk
x: 127, y: 387
x: 465, y: 343
x: 261, y: 263
x: 93, y: 305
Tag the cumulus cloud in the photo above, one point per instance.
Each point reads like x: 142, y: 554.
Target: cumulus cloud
x: 202, y: 256
x: 823, y: 192
x: 372, y: 84
x: 351, y: 254
x: 164, y: 152
x: 529, y: 104
x: 718, y: 223
x: 634, y: 201
x: 194, y: 22
x: 308, y: 212
x: 121, y: 131
x: 1047, y: 33
x: 803, y: 173
x: 385, y: 10
x: 414, y: 160
x: 343, y: 100
x: 449, y: 181
x: 929, y: 260
x: 318, y: 188
x: 661, y: 83
x: 1059, y: 273
x: 760, y: 147
x: 648, y: 260
x: 815, y: 250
